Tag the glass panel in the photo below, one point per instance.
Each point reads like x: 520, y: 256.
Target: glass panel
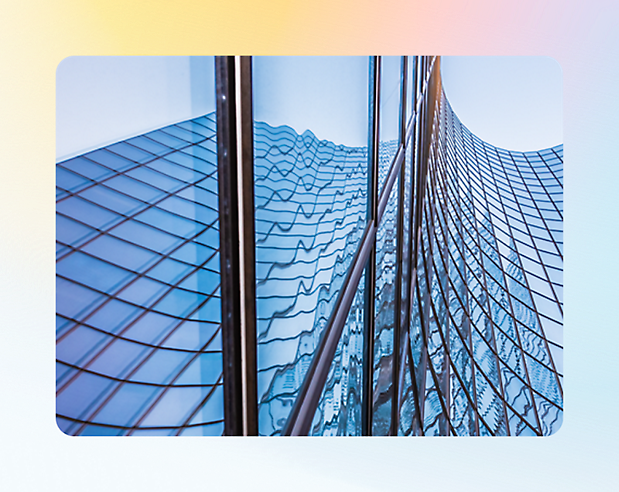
x: 119, y: 337
x: 339, y: 408
x: 310, y: 137
x: 384, y: 314
x: 389, y: 130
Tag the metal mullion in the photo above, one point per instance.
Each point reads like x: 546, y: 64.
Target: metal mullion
x: 370, y: 277
x: 412, y: 253
x: 428, y: 109
x: 440, y: 192
x: 423, y: 361
x: 395, y: 411
x: 237, y: 238
x: 420, y: 167
x: 413, y: 376
x: 410, y: 142
x: 401, y: 375
x: 425, y: 300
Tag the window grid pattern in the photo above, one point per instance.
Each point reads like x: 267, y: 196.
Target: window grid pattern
x: 486, y: 327
x: 138, y: 309
x: 310, y: 213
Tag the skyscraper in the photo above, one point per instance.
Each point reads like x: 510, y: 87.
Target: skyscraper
x: 228, y: 275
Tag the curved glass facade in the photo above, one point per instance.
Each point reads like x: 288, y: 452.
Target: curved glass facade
x: 486, y: 339
x: 234, y: 275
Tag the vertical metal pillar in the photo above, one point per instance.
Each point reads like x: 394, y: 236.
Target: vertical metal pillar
x: 395, y: 373
x: 370, y: 272
x: 237, y: 242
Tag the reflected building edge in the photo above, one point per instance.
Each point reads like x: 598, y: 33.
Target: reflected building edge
x: 411, y: 286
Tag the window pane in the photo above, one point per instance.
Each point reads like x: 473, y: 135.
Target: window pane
x: 310, y: 136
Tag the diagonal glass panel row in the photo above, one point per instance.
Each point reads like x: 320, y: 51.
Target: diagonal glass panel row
x: 138, y: 335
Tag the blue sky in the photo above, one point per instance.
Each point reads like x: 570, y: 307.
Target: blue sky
x: 513, y: 102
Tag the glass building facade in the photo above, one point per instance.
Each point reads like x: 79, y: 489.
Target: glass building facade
x: 330, y: 252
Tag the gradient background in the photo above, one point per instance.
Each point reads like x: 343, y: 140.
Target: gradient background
x: 36, y: 35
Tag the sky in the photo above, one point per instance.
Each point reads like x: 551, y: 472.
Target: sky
x: 513, y: 102
x: 103, y: 99
x: 327, y: 95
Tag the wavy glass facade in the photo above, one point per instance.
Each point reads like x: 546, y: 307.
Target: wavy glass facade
x: 383, y: 272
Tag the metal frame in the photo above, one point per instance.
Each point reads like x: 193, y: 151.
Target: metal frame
x: 237, y: 237
x: 370, y: 277
x: 397, y: 329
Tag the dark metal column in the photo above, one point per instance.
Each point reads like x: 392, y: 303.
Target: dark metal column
x: 237, y: 248
x: 370, y: 272
x: 395, y: 373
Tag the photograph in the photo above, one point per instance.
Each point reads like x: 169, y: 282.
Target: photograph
x: 306, y: 246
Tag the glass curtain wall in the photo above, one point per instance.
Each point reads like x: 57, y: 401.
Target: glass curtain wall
x: 330, y: 252
x: 137, y: 296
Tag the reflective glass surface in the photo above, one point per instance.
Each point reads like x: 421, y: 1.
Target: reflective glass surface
x: 310, y: 211
x: 389, y: 128
x: 468, y: 259
x: 139, y: 348
x: 339, y: 409
x: 486, y: 363
x: 384, y: 316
